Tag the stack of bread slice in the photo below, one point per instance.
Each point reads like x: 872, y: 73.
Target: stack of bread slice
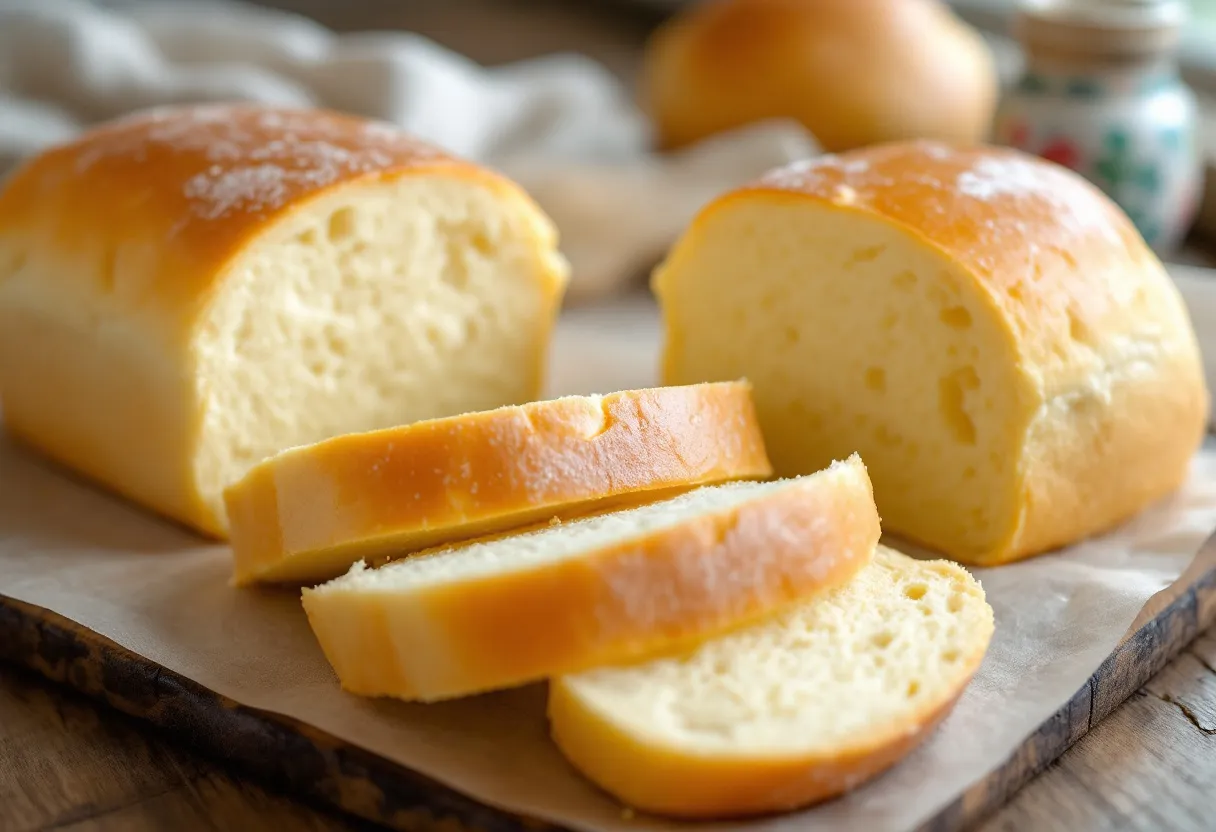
x: 717, y: 643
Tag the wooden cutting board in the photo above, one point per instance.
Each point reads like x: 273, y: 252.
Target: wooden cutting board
x: 302, y: 760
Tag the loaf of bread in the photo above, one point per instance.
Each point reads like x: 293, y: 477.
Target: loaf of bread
x: 308, y: 513
x: 986, y: 329
x: 790, y: 711
x: 593, y: 591
x: 853, y: 72
x: 186, y: 292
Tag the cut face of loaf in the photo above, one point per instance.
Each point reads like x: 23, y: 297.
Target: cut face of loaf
x: 987, y: 330
x: 185, y: 293
x: 603, y: 589
x: 308, y: 513
x: 791, y: 711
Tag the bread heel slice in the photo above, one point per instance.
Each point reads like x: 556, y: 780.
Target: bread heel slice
x: 788, y: 712
x: 609, y: 588
x: 307, y: 514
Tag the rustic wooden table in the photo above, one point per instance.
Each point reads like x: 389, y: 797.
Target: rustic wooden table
x: 67, y: 763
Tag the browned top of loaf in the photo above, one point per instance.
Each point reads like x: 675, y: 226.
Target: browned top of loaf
x: 1062, y: 262
x: 185, y: 187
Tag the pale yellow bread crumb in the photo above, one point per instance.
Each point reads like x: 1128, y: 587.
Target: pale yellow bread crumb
x: 986, y: 329
x: 607, y: 588
x: 790, y: 711
x: 188, y: 291
x: 308, y: 513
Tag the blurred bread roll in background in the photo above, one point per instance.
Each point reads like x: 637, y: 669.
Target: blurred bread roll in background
x: 853, y: 72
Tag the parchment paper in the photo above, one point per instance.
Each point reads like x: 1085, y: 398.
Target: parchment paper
x: 154, y: 589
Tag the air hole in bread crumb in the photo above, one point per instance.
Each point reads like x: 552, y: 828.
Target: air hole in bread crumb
x: 337, y: 345
x: 316, y: 367
x: 915, y: 591
x: 904, y: 280
x: 950, y: 656
x: 889, y: 321
x: 876, y: 379
x: 481, y: 243
x: 955, y: 604
x: 926, y: 610
x: 307, y: 237
x: 865, y: 255
x: 1078, y: 330
x: 1015, y: 292
x: 952, y: 404
x: 792, y: 335
x: 1068, y: 258
x: 433, y: 336
x: 882, y: 640
x: 969, y: 472
x: 472, y: 329
x: 956, y: 317
x: 913, y: 688
x: 341, y: 225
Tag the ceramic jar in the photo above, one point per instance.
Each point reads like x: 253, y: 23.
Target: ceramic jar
x: 1101, y: 94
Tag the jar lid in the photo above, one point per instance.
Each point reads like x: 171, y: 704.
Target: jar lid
x: 1128, y: 29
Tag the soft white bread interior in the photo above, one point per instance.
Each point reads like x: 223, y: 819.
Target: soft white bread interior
x: 186, y: 292
x: 986, y: 329
x: 308, y: 513
x: 601, y: 589
x: 787, y: 712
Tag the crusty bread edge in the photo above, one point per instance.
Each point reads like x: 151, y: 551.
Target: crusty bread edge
x: 472, y: 473
x: 467, y: 637
x: 673, y: 782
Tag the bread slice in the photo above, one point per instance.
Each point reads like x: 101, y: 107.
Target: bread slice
x: 985, y: 328
x: 190, y: 290
x: 602, y: 589
x: 790, y: 711
x: 308, y: 513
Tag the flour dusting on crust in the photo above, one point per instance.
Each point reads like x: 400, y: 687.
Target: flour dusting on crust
x: 253, y: 158
x: 950, y: 177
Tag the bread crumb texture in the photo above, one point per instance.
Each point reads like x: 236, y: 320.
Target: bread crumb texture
x: 809, y: 703
x: 985, y: 328
x: 602, y: 589
x: 307, y: 513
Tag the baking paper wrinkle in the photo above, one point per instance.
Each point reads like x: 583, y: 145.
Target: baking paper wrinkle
x: 162, y: 593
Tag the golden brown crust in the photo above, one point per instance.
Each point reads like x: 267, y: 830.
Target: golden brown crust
x: 854, y: 72
x: 111, y: 247
x: 181, y: 189
x: 616, y: 603
x: 1116, y: 398
x: 308, y: 513
x: 705, y: 788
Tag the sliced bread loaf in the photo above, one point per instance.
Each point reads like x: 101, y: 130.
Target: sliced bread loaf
x: 603, y: 589
x: 189, y: 290
x: 790, y: 711
x: 308, y: 513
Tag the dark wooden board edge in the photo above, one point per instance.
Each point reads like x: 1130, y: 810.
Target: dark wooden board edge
x: 296, y: 758
x: 282, y: 752
x: 1160, y: 634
